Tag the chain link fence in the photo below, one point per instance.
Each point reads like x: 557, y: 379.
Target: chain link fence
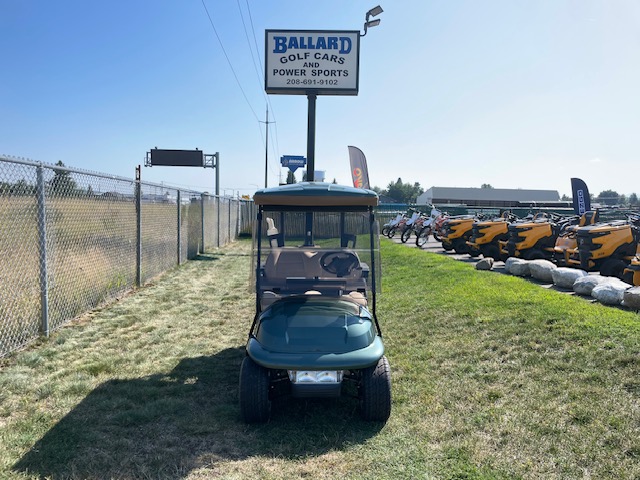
x: 71, y: 240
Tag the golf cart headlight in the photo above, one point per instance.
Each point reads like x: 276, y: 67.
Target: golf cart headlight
x: 310, y: 376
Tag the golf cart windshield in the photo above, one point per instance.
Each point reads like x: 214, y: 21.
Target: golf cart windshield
x: 315, y: 238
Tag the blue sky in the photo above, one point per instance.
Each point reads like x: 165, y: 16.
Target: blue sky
x: 517, y: 94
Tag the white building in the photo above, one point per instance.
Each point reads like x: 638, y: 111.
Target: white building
x: 488, y: 197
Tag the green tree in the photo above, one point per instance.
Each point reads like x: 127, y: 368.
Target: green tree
x: 62, y: 184
x: 608, y: 197
x: 565, y: 198
x: 486, y: 185
x: 404, y: 192
x: 21, y: 187
x: 291, y: 178
x: 633, y: 199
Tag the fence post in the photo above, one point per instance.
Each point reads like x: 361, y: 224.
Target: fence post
x: 218, y: 208
x: 229, y: 238
x: 179, y: 202
x: 42, y: 244
x: 138, y: 229
x: 202, y: 221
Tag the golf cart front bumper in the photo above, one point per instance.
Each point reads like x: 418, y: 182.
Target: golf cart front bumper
x: 353, y: 360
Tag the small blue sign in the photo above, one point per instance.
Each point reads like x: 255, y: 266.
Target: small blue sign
x: 293, y: 161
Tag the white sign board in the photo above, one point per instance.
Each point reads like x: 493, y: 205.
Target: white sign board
x: 299, y: 62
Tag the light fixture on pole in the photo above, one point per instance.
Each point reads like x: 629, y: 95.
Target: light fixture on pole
x: 374, y: 12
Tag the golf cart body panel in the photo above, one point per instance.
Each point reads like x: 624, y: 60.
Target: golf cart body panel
x: 354, y: 360
x: 315, y: 332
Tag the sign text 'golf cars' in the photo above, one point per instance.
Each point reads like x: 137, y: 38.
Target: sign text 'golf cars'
x: 305, y: 61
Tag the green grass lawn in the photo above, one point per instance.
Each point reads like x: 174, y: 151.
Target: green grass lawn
x: 493, y: 377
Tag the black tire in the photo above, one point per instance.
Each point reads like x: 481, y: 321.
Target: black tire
x: 448, y: 246
x: 406, y: 234
x: 385, y: 231
x: 491, y: 251
x: 423, y: 236
x: 375, y: 392
x: 255, y: 405
x: 460, y: 246
x: 535, y: 254
x: 473, y: 252
x: 437, y: 237
x: 392, y: 232
x: 627, y: 277
x: 613, y: 267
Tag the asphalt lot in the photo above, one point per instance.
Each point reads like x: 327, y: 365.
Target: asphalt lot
x: 434, y: 246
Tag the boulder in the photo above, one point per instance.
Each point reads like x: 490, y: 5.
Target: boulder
x: 518, y: 267
x: 485, y: 264
x: 507, y: 264
x: 610, y: 292
x: 631, y: 298
x: 564, y: 277
x: 584, y: 285
x: 541, y: 270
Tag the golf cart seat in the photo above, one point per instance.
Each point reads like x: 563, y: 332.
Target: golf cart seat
x: 296, y: 271
x: 286, y: 262
x: 269, y: 297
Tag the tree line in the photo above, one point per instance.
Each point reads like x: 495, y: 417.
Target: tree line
x: 62, y: 184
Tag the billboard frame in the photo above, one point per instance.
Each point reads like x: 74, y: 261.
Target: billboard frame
x: 306, y: 80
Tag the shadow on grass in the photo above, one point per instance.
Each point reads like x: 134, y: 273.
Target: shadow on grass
x: 166, y: 425
x: 206, y: 257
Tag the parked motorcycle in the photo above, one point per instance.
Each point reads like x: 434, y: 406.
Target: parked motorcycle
x: 392, y: 223
x: 428, y: 227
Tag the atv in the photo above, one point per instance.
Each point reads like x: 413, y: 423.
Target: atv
x: 487, y: 234
x: 315, y: 271
x: 455, y: 233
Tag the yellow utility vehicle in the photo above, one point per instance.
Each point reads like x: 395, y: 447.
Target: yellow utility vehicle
x: 455, y: 233
x: 486, y: 235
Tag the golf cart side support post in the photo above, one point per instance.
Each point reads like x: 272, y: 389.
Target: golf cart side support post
x: 373, y: 270
x: 258, y: 262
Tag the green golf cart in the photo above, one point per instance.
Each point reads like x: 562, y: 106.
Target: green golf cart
x: 315, y: 270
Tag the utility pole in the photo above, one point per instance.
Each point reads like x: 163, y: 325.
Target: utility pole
x: 266, y: 146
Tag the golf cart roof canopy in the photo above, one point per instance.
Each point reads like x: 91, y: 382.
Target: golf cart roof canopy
x: 316, y: 194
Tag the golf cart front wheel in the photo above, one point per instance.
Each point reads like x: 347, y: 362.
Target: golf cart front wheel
x: 255, y: 405
x: 375, y: 391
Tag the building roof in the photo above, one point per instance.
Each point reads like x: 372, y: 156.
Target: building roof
x: 460, y: 195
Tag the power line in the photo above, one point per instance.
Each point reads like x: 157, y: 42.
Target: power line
x: 255, y: 42
x: 229, y: 61
x: 253, y: 58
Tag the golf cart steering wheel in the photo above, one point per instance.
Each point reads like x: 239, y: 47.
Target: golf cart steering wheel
x: 339, y: 263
